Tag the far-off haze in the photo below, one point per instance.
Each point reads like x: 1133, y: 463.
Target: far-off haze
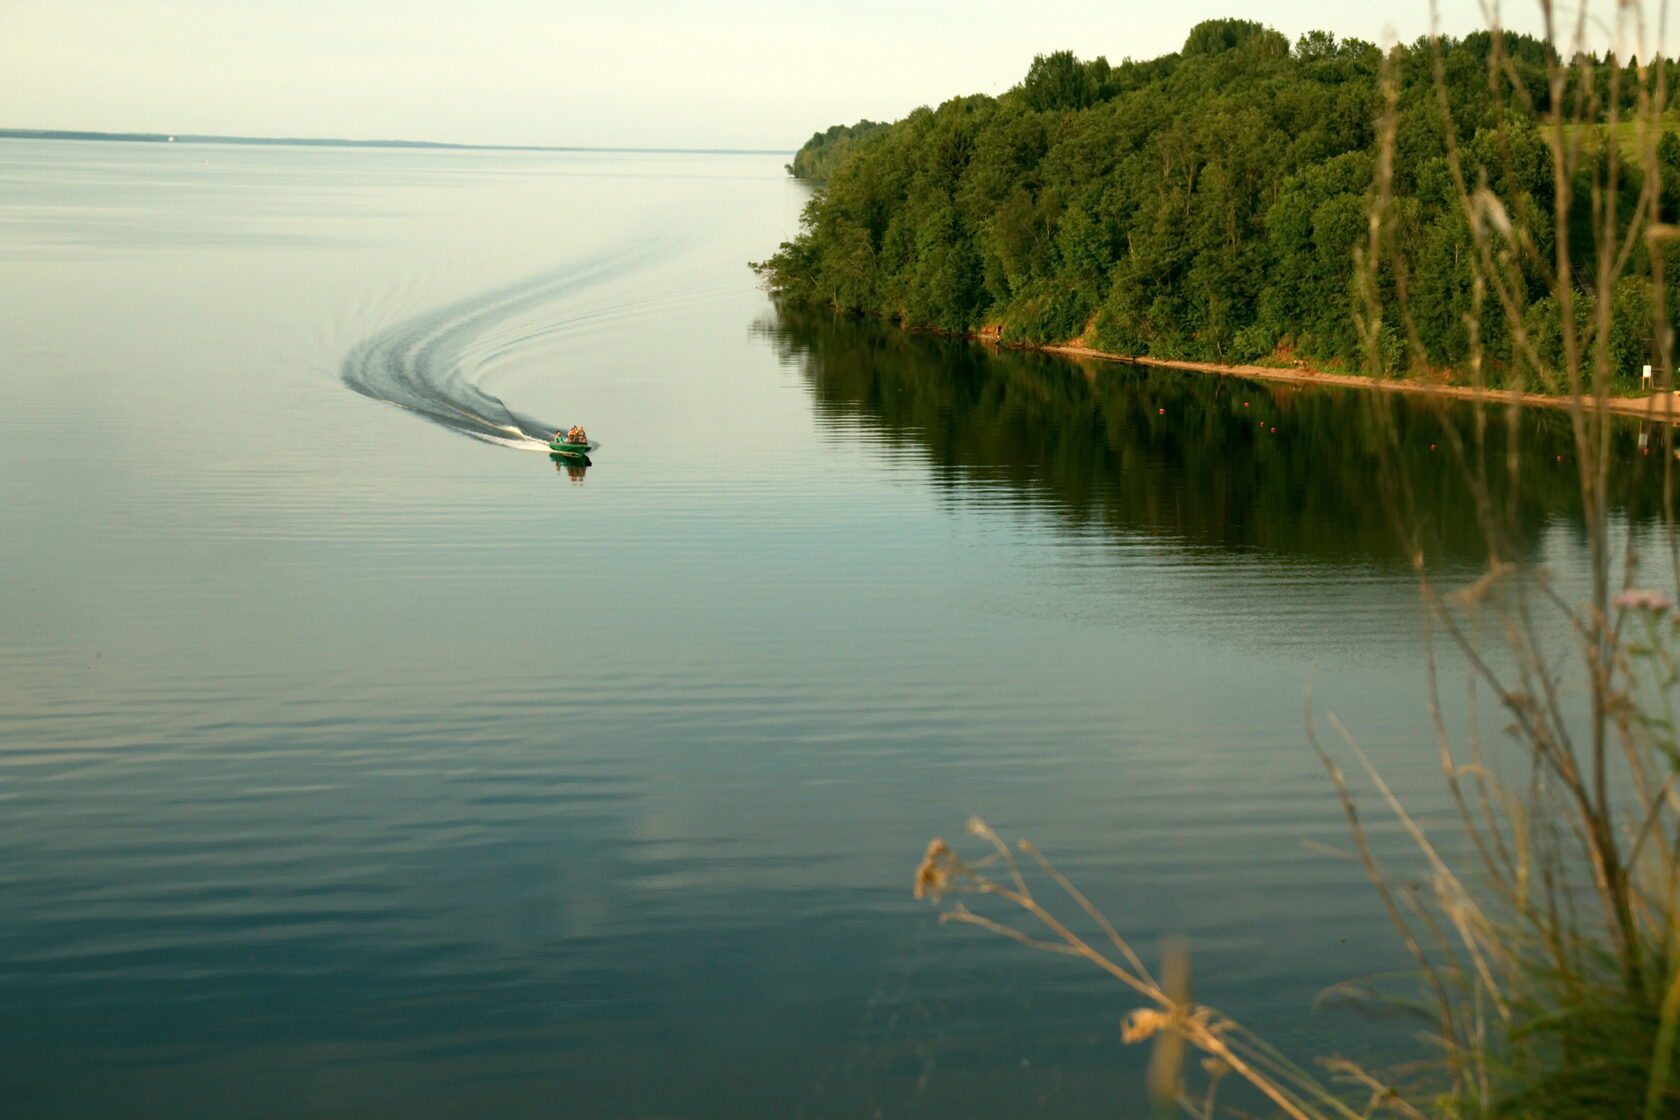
x: 640, y: 73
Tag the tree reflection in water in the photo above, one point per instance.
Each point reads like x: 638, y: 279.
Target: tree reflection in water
x: 1203, y: 460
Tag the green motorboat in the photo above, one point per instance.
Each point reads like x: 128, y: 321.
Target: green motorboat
x: 574, y: 444
x: 572, y: 450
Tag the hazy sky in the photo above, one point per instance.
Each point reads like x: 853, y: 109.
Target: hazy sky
x: 634, y: 73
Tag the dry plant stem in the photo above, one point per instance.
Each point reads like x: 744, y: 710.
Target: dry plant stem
x: 1167, y: 1061
x: 1665, y: 338
x: 1490, y: 847
x: 1021, y: 896
x: 1096, y: 915
x: 1280, y: 1081
x: 1443, y: 873
x: 1575, y: 807
x: 1426, y: 967
x: 1592, y: 805
x: 1214, y: 1077
x: 1380, y: 1094
x: 1611, y: 262
x: 1276, y: 1064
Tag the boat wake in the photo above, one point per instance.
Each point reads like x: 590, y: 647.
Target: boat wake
x: 425, y: 363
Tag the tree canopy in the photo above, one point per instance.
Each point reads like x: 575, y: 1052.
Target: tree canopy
x: 825, y: 150
x: 1205, y: 204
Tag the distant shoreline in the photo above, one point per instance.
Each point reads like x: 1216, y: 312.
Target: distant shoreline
x: 1657, y: 406
x: 327, y: 142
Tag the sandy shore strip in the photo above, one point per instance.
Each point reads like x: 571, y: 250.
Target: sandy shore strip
x: 1658, y: 406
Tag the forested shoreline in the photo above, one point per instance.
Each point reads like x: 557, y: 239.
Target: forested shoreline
x: 1208, y: 204
x: 817, y: 158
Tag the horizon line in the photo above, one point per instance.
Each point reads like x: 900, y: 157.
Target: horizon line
x: 336, y: 142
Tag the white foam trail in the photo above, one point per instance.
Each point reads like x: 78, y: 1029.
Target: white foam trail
x: 421, y: 364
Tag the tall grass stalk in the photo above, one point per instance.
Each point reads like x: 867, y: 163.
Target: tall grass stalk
x: 1549, y: 950
x: 1546, y: 938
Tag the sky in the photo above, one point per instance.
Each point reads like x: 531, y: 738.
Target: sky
x: 628, y: 73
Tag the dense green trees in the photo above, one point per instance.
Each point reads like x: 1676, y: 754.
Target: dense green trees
x: 826, y: 150
x: 1206, y: 204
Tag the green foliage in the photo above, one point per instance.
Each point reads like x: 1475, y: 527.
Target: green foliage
x: 1591, y: 1058
x: 1061, y: 81
x: 1203, y: 205
x: 1215, y: 36
x: 817, y: 158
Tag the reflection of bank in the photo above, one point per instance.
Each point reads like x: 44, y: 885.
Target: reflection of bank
x: 1659, y: 431
x: 1186, y: 458
x: 574, y: 465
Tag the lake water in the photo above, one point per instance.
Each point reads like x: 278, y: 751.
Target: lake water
x: 353, y: 766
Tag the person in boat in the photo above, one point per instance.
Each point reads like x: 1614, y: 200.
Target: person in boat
x: 576, y: 435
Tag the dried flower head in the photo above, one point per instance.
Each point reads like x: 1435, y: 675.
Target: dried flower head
x: 1142, y: 1023
x: 934, y: 873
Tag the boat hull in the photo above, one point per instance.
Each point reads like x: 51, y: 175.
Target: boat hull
x: 571, y: 450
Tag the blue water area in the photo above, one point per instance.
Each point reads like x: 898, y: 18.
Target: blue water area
x: 350, y: 767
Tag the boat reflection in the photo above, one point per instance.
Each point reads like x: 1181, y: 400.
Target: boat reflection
x: 575, y: 466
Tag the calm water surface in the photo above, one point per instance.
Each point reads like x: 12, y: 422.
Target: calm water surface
x: 356, y: 760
